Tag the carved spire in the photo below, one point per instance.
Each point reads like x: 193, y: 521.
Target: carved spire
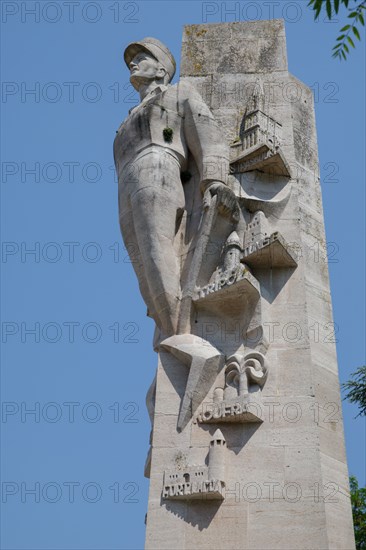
x: 218, y: 437
x: 257, y: 100
x: 233, y: 240
x: 216, y: 457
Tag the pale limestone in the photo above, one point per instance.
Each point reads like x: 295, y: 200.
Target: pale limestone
x: 232, y: 267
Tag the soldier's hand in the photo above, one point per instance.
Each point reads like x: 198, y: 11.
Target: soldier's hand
x: 226, y: 201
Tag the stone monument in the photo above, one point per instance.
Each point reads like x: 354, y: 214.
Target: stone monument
x: 220, y: 209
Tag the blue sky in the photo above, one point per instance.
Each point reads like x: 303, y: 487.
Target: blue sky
x: 87, y: 365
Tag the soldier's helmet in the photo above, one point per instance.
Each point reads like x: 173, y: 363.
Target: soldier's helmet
x: 155, y: 48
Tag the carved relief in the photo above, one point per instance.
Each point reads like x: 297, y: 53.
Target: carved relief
x: 240, y: 398
x: 263, y: 249
x: 169, y: 224
x: 230, y: 280
x: 198, y: 482
x: 259, y: 144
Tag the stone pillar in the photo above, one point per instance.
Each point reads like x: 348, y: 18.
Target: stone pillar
x: 286, y: 480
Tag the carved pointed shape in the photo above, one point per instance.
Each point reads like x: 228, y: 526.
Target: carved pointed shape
x: 204, y: 362
x: 233, y: 240
x: 258, y: 98
x: 218, y: 436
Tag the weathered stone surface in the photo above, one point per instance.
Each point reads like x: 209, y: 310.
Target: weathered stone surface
x: 231, y: 261
x: 263, y: 49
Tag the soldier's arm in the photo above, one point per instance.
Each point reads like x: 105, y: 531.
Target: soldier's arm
x: 207, y: 143
x: 204, y: 139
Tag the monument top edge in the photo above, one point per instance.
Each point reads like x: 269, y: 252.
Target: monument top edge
x: 234, y: 47
x: 264, y: 23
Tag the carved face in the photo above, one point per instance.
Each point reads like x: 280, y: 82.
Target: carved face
x: 144, y: 68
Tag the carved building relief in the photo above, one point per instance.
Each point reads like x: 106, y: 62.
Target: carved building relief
x: 199, y: 482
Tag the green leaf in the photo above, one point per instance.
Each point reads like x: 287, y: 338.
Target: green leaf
x: 360, y: 17
x: 350, y: 41
x: 356, y: 393
x: 346, y: 3
x: 353, y: 14
x: 329, y: 9
x: 346, y: 28
x: 336, y: 5
x: 356, y: 33
x: 346, y: 48
x: 343, y: 54
x: 340, y: 37
x: 317, y: 8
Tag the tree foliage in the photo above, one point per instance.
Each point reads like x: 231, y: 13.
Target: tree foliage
x: 358, y: 501
x: 350, y: 31
x: 356, y: 389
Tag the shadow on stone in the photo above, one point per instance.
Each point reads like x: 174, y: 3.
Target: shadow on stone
x: 198, y: 513
x: 175, y: 371
x: 272, y: 285
x: 237, y: 439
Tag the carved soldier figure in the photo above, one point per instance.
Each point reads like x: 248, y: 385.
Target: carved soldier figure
x: 151, y: 151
